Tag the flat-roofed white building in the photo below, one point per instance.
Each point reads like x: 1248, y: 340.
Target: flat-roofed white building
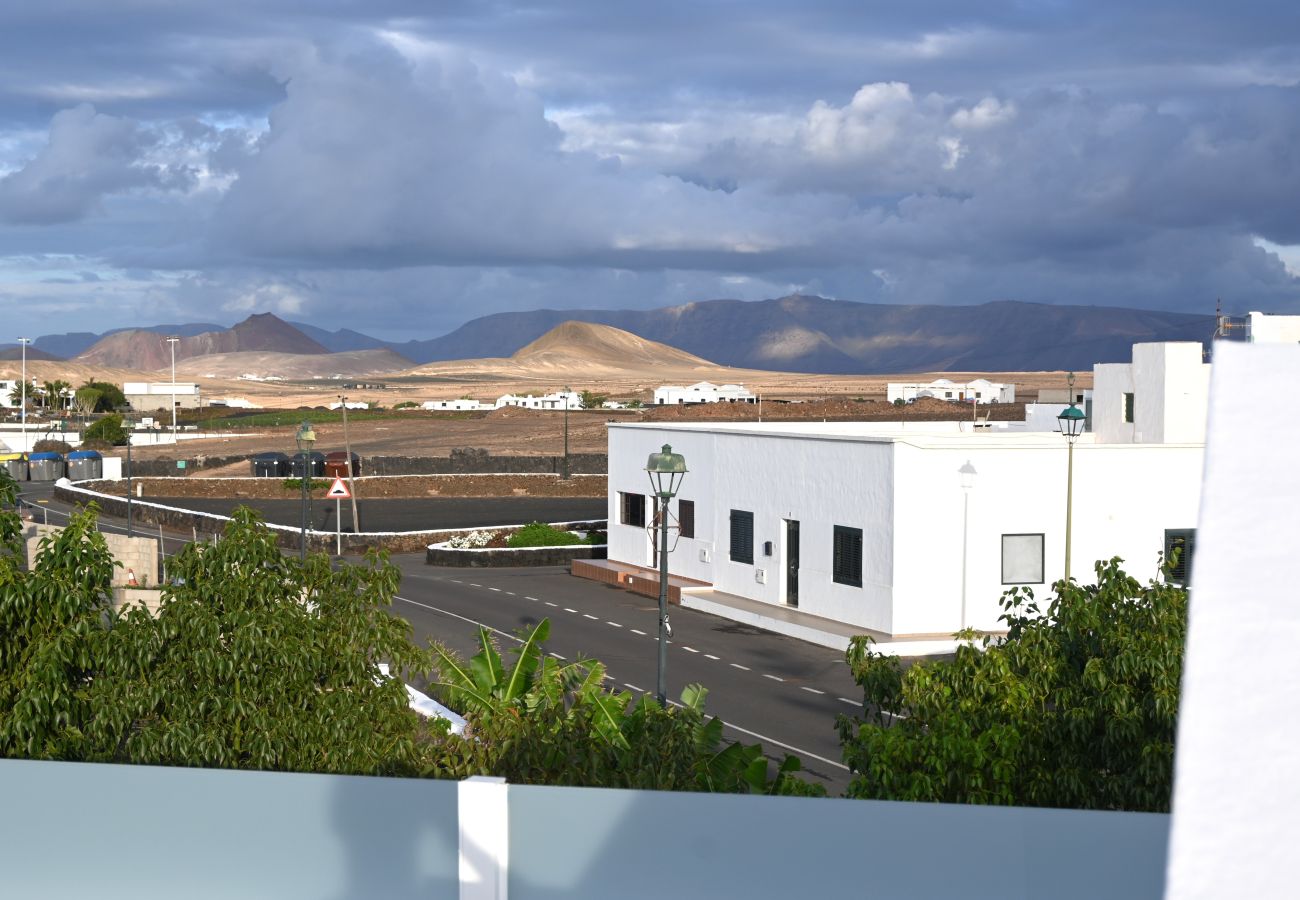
x: 703, y: 392
x: 981, y: 390
x: 556, y: 400
x: 148, y: 395
x: 1159, y: 397
x: 873, y: 527
x: 461, y: 403
x: 1266, y: 328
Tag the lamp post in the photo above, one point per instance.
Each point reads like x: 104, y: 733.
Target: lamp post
x: 1071, y: 420
x: 305, y: 437
x: 567, y: 389
x: 967, y: 473
x: 172, y: 339
x: 23, y: 412
x: 127, y: 424
x: 666, y: 470
x: 347, y: 449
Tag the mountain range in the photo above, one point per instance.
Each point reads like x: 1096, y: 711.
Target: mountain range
x: 798, y: 333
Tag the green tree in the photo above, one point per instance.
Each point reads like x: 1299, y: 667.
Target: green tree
x: 108, y: 430
x: 1076, y: 708
x: 110, y: 395
x: 86, y: 400
x: 592, y: 400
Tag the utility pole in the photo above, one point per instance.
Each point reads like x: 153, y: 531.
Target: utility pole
x: 567, y: 389
x: 172, y: 339
x: 347, y: 449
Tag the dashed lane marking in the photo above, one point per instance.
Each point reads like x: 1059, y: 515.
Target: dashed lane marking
x: 498, y: 590
x: 615, y: 624
x: 773, y: 677
x: 848, y: 701
x: 534, y: 599
x: 633, y: 687
x: 811, y: 690
x: 637, y: 631
x: 771, y: 740
x: 739, y: 666
x: 689, y: 649
x: 549, y: 603
x: 710, y: 656
x: 590, y: 616
x: 557, y: 656
x: 566, y: 609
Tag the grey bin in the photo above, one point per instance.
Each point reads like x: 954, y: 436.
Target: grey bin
x: 315, y: 467
x: 16, y: 465
x: 270, y: 465
x: 85, y: 465
x: 45, y: 466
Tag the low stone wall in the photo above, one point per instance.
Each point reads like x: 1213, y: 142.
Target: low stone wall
x: 507, y: 556
x: 368, y: 487
x: 462, y: 461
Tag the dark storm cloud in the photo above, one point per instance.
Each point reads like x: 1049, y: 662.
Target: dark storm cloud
x: 461, y: 158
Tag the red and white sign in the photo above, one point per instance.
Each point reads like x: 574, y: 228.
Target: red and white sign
x: 338, y: 490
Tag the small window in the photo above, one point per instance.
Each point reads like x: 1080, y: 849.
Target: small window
x: 1022, y: 559
x: 1128, y: 408
x: 686, y: 517
x: 1184, y: 541
x: 846, y: 561
x: 947, y: 394
x: 632, y: 509
x: 742, y: 536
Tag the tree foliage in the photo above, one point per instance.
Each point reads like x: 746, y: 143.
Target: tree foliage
x: 591, y: 399
x: 1077, y: 707
x: 107, y: 430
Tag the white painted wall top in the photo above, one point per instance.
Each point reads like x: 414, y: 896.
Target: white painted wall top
x: 1166, y: 388
x: 981, y: 390
x: 1265, y: 328
x: 159, y: 388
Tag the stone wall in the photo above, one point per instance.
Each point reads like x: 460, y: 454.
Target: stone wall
x: 462, y: 461
x: 137, y: 555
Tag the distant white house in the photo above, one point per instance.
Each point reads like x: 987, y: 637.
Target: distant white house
x: 461, y: 403
x: 1265, y: 328
x: 351, y: 404
x: 235, y: 403
x: 7, y: 387
x: 557, y: 400
x: 703, y: 392
x: 1160, y: 397
x: 159, y: 394
x: 981, y: 390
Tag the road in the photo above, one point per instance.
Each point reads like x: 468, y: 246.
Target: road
x: 767, y: 688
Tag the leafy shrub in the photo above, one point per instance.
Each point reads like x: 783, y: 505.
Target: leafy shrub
x: 537, y: 534
x: 474, y: 540
x: 108, y: 430
x: 406, y: 404
x: 598, y: 538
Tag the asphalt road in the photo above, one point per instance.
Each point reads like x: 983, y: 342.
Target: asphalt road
x: 767, y: 688
x: 424, y: 514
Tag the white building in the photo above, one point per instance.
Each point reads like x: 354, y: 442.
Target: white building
x: 7, y: 387
x: 703, y: 392
x: 1160, y: 397
x: 351, y: 404
x: 462, y: 403
x: 1265, y: 328
x: 981, y: 390
x: 556, y: 400
x: 158, y: 394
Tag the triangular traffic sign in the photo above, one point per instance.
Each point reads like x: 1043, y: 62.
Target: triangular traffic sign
x: 338, y: 490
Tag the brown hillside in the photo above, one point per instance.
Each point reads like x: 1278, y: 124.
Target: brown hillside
x: 150, y: 351
x: 349, y: 364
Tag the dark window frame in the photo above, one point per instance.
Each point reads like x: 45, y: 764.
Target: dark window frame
x: 1130, y: 405
x: 846, y: 556
x: 741, y: 542
x: 686, y: 518
x: 1181, y: 574
x: 1042, y: 556
x: 629, y: 502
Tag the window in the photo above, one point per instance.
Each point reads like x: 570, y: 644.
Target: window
x: 1184, y: 541
x: 1128, y: 408
x: 846, y: 561
x: 631, y: 509
x: 686, y: 517
x: 1022, y: 559
x: 742, y: 536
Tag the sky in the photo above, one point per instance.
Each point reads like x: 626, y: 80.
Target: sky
x: 401, y: 167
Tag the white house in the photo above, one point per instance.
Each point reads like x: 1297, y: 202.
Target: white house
x: 556, y: 400
x: 1160, y: 397
x: 1266, y: 328
x: 703, y: 392
x: 158, y: 394
x: 461, y: 403
x: 351, y: 404
x: 981, y: 390
x: 876, y: 530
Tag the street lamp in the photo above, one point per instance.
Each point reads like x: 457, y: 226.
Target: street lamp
x: 967, y: 474
x: 24, y: 341
x: 567, y: 389
x: 666, y: 470
x: 172, y: 339
x: 1071, y: 419
x: 128, y: 425
x: 305, y: 438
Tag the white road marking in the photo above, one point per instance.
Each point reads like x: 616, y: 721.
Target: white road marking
x: 498, y: 590
x: 739, y: 666
x: 455, y: 581
x: 637, y: 631
x: 566, y: 609
x: 848, y: 701
x: 710, y: 656
x: 472, y: 584
x: 773, y: 677
x: 615, y: 624
x: 770, y: 740
x: 534, y: 599
x: 589, y: 616
x: 557, y: 656
x: 507, y: 593
x: 811, y: 690
x: 689, y: 649
x: 633, y: 687
x: 462, y: 618
x: 549, y: 603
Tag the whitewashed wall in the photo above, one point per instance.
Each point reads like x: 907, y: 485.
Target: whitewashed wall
x: 905, y: 494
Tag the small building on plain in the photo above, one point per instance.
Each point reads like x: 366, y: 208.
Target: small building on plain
x: 981, y: 390
x: 703, y: 392
x: 1267, y: 328
x: 147, y: 395
x: 460, y: 403
x: 556, y: 400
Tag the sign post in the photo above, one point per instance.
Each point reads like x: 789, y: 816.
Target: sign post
x: 339, y: 492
